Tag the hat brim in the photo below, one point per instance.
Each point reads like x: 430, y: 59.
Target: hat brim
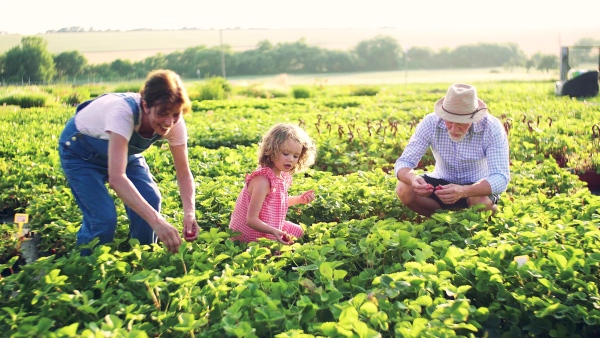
x: 468, y: 118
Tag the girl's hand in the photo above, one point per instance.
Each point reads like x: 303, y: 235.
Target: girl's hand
x: 307, y: 197
x: 190, y: 229
x: 283, y: 237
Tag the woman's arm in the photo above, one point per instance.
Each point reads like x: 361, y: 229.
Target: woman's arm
x: 128, y: 193
x: 187, y: 191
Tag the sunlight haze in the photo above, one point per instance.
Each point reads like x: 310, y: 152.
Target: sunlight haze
x: 33, y: 17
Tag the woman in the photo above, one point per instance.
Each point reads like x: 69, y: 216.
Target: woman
x: 102, y: 143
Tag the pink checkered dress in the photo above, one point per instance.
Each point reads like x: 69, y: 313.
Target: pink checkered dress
x: 273, y: 211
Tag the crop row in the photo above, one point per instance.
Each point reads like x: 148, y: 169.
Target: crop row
x: 366, y: 267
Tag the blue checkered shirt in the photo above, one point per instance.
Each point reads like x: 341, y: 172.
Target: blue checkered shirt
x: 481, y: 154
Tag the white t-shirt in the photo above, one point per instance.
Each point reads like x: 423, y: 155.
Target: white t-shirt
x: 112, y: 113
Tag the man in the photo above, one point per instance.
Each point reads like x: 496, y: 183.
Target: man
x: 470, y: 148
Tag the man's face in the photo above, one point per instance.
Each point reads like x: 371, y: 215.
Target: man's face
x: 457, y: 131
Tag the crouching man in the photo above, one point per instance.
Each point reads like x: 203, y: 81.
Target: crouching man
x: 470, y: 148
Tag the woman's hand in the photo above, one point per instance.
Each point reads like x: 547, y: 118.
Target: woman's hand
x: 167, y: 234
x: 190, y: 228
x: 307, y: 197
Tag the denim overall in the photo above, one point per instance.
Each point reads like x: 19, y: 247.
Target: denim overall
x: 84, y: 160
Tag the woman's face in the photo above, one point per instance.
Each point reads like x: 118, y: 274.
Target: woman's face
x: 162, y: 120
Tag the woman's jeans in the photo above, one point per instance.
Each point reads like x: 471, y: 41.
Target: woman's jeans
x: 85, y: 163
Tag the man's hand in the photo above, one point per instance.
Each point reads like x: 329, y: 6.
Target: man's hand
x: 421, y: 187
x: 450, y: 194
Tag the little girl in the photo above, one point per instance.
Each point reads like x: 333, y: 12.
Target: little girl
x: 262, y: 205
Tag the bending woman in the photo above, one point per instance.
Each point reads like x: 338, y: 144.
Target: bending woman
x: 102, y: 143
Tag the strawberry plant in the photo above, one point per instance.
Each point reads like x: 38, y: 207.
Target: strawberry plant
x: 366, y: 265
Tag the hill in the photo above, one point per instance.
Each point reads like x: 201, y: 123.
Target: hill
x: 101, y: 47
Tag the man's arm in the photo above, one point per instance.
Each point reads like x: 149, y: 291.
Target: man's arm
x: 497, y: 155
x: 416, y: 147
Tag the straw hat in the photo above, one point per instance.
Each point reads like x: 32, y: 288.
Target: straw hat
x: 461, y: 105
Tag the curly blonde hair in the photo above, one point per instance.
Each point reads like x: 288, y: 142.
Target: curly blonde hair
x: 272, y: 142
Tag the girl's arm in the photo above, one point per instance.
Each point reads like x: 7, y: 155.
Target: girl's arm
x: 128, y: 193
x: 187, y: 191
x: 258, y: 188
x: 305, y: 198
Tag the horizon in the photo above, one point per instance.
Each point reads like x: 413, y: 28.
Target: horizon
x: 461, y: 17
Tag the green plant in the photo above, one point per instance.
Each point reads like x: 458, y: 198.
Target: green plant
x: 27, y: 100
x: 301, y: 92
x: 364, y: 91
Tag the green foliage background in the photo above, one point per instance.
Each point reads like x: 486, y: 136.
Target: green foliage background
x: 366, y: 267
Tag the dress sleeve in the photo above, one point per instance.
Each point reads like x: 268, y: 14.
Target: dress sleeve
x: 288, y: 178
x: 264, y: 171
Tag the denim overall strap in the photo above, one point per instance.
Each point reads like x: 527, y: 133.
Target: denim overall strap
x: 137, y: 143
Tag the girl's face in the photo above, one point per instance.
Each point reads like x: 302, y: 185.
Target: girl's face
x: 288, y: 158
x: 161, y: 121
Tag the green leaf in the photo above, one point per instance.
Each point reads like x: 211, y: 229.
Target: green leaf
x: 349, y: 315
x: 368, y: 309
x: 326, y: 270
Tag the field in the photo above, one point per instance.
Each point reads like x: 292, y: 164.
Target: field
x: 102, y: 47
x: 405, y: 77
x: 366, y: 267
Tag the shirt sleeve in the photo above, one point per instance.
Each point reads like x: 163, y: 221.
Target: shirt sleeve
x: 417, y: 145
x: 497, y: 157
x: 119, y: 118
x: 178, y: 134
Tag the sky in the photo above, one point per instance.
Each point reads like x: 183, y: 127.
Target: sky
x: 29, y: 17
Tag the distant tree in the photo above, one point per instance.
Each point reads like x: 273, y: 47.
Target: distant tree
x: 529, y: 63
x: 442, y: 59
x: 379, y: 53
x: 484, y: 55
x: 296, y: 57
x: 264, y: 46
x: 517, y: 60
x: 587, y: 42
x: 2, y: 63
x: 31, y: 61
x: 588, y: 53
x: 419, y: 57
x: 70, y: 63
x: 158, y: 61
x: 547, y: 62
x: 99, y: 71
x: 253, y: 62
x: 338, y: 61
x: 122, y: 68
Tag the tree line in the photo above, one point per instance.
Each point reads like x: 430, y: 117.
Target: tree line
x: 31, y: 62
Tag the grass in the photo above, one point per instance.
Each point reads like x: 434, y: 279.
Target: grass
x: 447, y: 76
